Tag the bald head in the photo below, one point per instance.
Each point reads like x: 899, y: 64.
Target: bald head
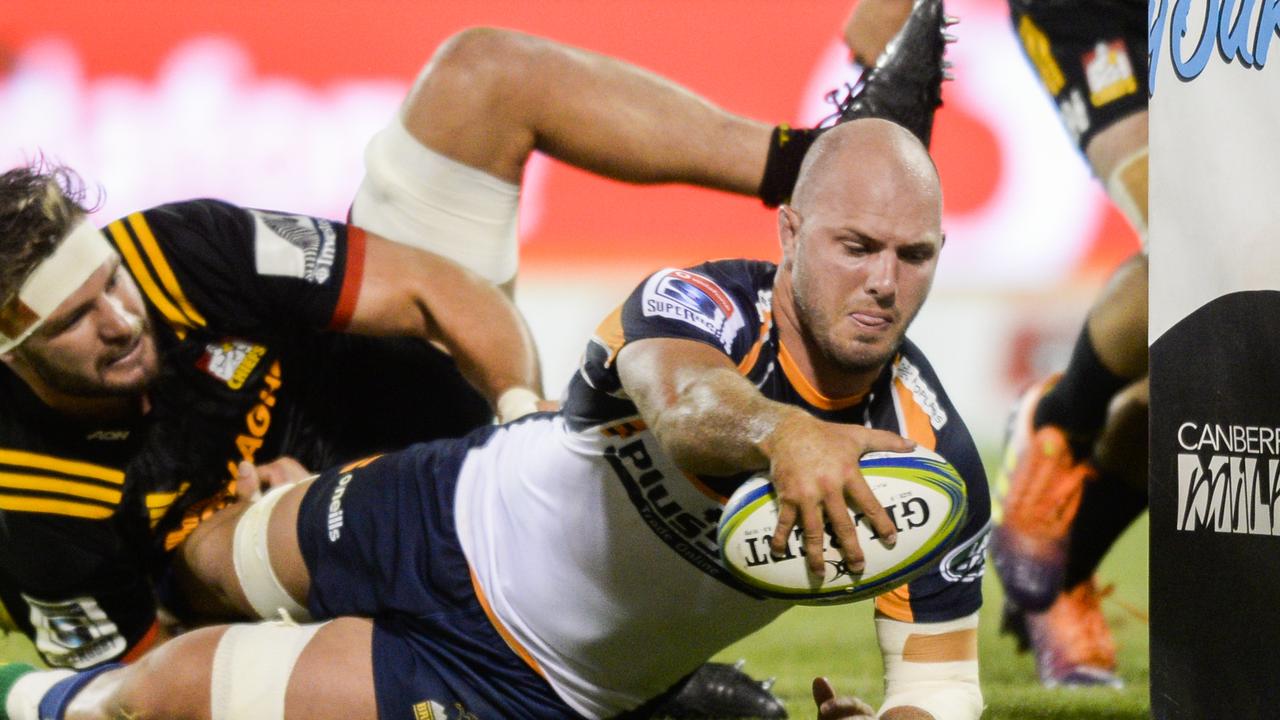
x: 868, y: 152
x: 860, y: 241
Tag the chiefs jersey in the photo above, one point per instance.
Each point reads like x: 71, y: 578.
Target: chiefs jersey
x: 242, y: 303
x: 588, y: 542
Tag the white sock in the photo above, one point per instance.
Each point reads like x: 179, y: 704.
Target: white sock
x: 24, y: 698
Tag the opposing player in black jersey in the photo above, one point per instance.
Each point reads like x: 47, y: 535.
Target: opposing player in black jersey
x: 513, y: 575
x: 143, y: 363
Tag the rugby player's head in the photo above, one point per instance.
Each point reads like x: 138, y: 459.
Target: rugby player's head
x: 72, y: 322
x: 860, y: 243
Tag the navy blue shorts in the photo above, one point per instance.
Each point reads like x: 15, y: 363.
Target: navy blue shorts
x: 380, y: 542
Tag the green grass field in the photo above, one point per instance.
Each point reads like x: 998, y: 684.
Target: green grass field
x: 840, y: 642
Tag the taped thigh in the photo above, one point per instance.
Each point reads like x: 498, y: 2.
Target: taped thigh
x: 252, y: 559
x: 251, y: 669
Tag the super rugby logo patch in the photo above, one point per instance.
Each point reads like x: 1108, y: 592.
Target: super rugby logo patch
x: 695, y: 300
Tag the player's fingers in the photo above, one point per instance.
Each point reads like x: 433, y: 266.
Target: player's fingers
x: 831, y: 707
x: 846, y: 537
x: 248, y: 484
x: 885, y: 441
x: 814, y: 534
x: 782, y: 533
x: 822, y: 691
x: 865, y: 501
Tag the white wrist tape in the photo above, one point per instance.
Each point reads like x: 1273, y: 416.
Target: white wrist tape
x: 516, y: 402
x: 55, y: 279
x: 932, y: 666
x: 251, y: 669
x: 1127, y: 187
x: 253, y: 563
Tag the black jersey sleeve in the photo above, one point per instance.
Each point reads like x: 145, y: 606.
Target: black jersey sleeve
x: 207, y: 264
x: 75, y: 587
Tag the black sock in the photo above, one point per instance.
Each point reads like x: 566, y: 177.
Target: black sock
x: 787, y: 146
x: 1106, y: 510
x: 1078, y: 402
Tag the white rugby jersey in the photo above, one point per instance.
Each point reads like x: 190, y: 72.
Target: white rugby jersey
x: 597, y: 556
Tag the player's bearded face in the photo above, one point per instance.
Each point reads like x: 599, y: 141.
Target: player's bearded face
x: 858, y: 278
x: 98, y: 343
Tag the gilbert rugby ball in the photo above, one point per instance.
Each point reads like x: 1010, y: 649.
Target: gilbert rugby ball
x: 921, y: 492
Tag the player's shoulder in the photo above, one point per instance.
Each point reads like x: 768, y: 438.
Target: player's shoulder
x: 722, y: 288
x: 720, y: 301
x: 920, y: 394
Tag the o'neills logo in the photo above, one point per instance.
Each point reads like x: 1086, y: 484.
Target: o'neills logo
x: 1229, y: 478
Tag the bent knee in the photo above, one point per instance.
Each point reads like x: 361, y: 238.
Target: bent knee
x: 172, y: 682
x: 483, y: 58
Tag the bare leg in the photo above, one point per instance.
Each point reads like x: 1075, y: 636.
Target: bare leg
x: 490, y: 97
x: 332, y: 679
x: 1117, y: 321
x: 205, y: 565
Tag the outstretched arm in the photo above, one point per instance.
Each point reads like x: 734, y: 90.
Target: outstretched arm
x: 712, y: 420
x: 407, y: 291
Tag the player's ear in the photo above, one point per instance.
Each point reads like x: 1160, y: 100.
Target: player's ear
x: 788, y: 228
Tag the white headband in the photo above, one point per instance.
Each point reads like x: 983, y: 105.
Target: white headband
x: 57, y: 278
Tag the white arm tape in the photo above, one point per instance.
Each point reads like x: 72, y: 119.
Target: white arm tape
x: 946, y: 686
x: 251, y: 669
x: 516, y: 402
x: 253, y: 564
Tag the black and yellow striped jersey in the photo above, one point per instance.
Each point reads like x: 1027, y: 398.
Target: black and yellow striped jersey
x: 245, y: 304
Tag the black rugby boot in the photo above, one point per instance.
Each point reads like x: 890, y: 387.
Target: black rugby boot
x: 722, y: 691
x: 905, y: 84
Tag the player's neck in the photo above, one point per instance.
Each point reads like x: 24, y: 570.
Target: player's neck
x: 821, y: 374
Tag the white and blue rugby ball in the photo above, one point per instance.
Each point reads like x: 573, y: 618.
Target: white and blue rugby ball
x: 923, y: 494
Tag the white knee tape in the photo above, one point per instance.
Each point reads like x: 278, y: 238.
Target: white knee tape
x: 1127, y: 187
x: 253, y: 564
x: 418, y: 197
x: 932, y: 666
x: 251, y: 669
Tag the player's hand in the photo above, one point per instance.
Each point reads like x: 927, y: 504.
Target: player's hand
x: 871, y: 26
x: 252, y: 481
x: 283, y: 470
x: 831, y: 707
x: 814, y: 470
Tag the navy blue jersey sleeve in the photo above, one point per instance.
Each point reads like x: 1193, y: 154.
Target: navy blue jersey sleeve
x: 953, y: 588
x: 713, y: 303
x: 209, y: 264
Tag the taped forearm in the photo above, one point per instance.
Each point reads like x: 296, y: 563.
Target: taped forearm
x: 932, y: 667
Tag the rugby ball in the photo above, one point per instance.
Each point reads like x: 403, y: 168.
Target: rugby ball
x: 923, y: 494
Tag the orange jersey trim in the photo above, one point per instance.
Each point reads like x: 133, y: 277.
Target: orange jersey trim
x: 896, y: 605
x: 352, y: 279
x: 610, y: 334
x: 510, y: 639
x: 915, y: 420
x: 753, y: 356
x: 807, y: 391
